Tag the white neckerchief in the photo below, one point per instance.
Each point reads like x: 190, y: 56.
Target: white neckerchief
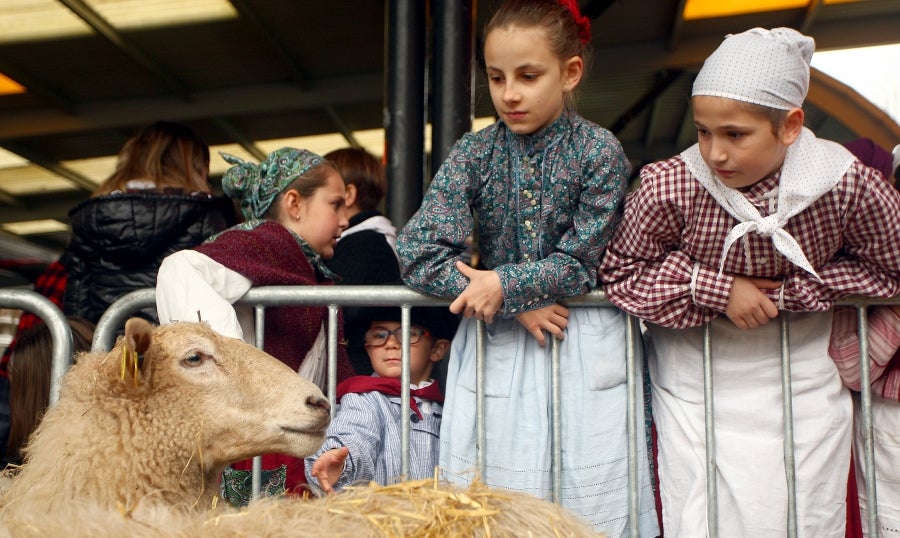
x: 811, y: 168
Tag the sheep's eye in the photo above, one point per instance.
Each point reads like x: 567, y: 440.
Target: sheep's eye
x: 193, y: 360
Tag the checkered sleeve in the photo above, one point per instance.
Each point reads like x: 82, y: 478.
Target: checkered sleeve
x: 646, y: 273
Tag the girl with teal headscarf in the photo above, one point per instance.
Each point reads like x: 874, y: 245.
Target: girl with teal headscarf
x: 293, y: 203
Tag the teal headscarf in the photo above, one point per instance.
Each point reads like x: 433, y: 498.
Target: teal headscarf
x: 257, y: 185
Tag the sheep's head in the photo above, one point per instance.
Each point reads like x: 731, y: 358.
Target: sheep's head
x: 235, y: 400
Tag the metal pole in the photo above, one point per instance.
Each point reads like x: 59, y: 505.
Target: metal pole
x: 259, y: 330
x: 712, y: 499
x: 404, y: 115
x: 404, y: 390
x: 556, y: 420
x: 632, y: 346
x: 454, y: 98
x: 868, y: 435
x: 787, y: 401
x: 480, y: 428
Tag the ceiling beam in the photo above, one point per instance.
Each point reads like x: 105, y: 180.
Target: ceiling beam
x: 9, y: 199
x: 690, y: 53
x: 677, y: 25
x: 809, y: 17
x: 298, y: 73
x: 41, y: 206
x: 105, y: 29
x: 845, y: 105
x: 36, y: 158
x: 234, y: 134
x: 231, y: 102
x: 39, y: 88
x: 341, y: 127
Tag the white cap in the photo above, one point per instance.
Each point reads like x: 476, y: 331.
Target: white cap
x: 764, y: 67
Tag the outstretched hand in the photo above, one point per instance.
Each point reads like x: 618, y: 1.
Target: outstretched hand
x: 552, y: 318
x: 482, y: 297
x: 748, y: 307
x: 328, y: 468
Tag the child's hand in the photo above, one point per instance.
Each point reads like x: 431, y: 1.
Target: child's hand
x: 328, y: 468
x: 482, y: 297
x: 748, y: 307
x: 553, y: 318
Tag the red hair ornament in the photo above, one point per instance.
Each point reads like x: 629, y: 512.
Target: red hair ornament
x: 583, y: 23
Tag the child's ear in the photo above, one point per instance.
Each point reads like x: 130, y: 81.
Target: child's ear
x: 350, y: 193
x: 292, y: 203
x: 440, y: 349
x: 573, y: 69
x: 792, y: 126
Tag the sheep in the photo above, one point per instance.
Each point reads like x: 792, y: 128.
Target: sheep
x: 140, y: 435
x: 156, y: 420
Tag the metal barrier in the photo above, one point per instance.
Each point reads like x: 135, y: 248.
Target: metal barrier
x: 60, y: 332
x: 335, y: 296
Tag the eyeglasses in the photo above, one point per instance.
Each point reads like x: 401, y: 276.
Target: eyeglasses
x: 379, y: 335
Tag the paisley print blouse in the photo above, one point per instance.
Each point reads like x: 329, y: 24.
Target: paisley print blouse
x: 541, y: 208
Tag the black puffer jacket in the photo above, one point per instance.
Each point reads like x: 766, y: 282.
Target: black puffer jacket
x: 119, y: 241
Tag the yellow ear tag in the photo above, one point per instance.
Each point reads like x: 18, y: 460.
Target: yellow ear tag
x: 134, y: 354
x: 124, y: 359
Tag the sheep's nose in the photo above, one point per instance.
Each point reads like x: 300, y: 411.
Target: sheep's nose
x: 318, y: 403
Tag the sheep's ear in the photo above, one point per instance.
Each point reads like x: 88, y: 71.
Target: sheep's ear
x: 138, y: 336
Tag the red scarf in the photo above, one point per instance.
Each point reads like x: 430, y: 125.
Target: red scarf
x: 389, y: 386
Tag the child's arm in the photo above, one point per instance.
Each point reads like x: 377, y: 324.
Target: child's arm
x: 884, y: 341
x: 434, y: 239
x: 645, y: 270
x: 357, y: 426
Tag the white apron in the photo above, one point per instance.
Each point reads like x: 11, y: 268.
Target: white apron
x: 886, y: 437
x: 752, y: 492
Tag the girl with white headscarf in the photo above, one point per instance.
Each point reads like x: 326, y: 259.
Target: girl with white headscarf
x: 757, y: 219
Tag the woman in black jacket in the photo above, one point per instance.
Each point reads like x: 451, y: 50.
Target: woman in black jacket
x: 156, y: 202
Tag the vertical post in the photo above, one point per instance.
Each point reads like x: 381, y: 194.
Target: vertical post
x: 865, y: 384
x: 632, y: 347
x: 555, y: 421
x: 332, y: 356
x: 404, y: 390
x: 480, y: 430
x: 712, y: 499
x: 404, y: 115
x: 788, y: 412
x: 259, y: 330
x: 453, y: 90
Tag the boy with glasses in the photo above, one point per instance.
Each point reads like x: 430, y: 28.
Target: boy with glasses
x: 363, y: 441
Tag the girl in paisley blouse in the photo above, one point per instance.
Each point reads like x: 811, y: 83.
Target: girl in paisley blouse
x: 540, y: 189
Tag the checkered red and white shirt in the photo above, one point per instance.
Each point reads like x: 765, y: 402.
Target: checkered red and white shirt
x: 662, y: 263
